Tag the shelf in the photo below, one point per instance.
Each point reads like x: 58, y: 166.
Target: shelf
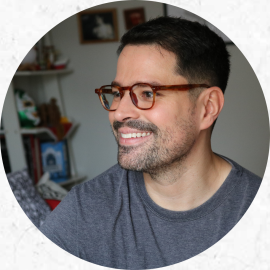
x: 51, y: 87
x: 72, y: 180
x: 35, y: 131
x: 42, y: 130
x: 43, y: 72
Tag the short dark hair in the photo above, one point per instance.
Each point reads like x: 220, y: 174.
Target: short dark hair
x: 201, y: 54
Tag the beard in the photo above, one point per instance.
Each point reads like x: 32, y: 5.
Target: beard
x: 157, y: 155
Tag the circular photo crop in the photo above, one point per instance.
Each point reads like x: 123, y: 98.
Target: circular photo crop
x: 135, y: 135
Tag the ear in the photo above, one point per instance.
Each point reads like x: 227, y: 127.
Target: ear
x: 211, y: 103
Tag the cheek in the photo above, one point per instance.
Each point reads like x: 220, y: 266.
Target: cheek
x: 166, y: 116
x: 175, y: 123
x: 167, y: 124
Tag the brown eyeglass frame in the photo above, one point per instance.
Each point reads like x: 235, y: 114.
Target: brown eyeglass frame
x: 182, y: 87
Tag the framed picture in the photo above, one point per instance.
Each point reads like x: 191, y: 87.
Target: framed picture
x: 134, y: 17
x: 98, y: 26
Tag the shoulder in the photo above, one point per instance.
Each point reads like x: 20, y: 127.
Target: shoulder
x: 248, y: 183
x: 85, y: 204
x: 237, y: 193
x: 103, y: 185
x: 112, y: 176
x: 247, y: 176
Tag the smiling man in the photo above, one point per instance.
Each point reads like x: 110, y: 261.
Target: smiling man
x: 169, y: 143
x: 169, y: 197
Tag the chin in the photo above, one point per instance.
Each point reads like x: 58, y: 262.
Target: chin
x: 132, y: 165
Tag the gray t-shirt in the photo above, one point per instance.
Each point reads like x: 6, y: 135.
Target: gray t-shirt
x: 112, y: 221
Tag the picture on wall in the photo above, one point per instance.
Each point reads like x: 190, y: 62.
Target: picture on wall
x: 134, y: 17
x: 98, y: 26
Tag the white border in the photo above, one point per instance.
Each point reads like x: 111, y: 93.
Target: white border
x: 22, y: 23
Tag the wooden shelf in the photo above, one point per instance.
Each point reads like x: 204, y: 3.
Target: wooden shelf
x: 43, y: 72
x: 72, y: 180
x: 36, y: 131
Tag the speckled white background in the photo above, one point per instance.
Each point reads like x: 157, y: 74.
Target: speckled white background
x: 246, y: 22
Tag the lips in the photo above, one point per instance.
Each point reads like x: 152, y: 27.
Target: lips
x: 133, y: 133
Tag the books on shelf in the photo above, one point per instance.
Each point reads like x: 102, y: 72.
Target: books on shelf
x: 33, y: 156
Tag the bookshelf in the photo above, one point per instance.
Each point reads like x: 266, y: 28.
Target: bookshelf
x: 13, y: 132
x: 44, y: 72
x: 42, y: 130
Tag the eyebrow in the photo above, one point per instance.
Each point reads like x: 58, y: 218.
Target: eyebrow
x: 154, y: 83
x: 115, y: 83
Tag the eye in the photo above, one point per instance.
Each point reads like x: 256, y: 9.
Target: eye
x: 147, y: 94
x: 116, y: 94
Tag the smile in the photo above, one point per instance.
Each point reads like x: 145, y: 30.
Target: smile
x: 134, y: 135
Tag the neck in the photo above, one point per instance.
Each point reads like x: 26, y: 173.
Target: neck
x: 190, y: 182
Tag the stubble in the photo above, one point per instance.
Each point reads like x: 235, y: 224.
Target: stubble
x: 166, y: 150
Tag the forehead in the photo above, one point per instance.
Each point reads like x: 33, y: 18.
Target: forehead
x: 146, y: 63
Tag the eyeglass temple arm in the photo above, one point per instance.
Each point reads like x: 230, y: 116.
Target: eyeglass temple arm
x: 104, y: 91
x: 109, y: 91
x: 182, y: 87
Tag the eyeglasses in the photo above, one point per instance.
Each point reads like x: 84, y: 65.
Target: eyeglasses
x: 142, y: 94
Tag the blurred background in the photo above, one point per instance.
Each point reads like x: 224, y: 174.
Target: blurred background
x: 53, y: 121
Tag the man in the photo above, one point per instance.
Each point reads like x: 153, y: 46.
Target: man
x: 170, y: 197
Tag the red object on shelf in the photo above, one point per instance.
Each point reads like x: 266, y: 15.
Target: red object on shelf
x: 60, y: 66
x: 52, y: 203
x: 66, y: 126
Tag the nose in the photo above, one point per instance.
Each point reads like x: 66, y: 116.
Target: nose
x: 126, y: 109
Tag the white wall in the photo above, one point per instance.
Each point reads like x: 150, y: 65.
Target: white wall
x: 242, y: 129
x: 241, y: 132
x: 94, y: 65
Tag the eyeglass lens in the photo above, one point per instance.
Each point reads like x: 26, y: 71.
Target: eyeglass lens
x: 141, y: 94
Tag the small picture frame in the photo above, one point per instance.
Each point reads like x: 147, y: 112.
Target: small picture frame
x: 97, y: 26
x: 134, y: 17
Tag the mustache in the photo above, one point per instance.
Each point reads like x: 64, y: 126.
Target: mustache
x: 137, y: 124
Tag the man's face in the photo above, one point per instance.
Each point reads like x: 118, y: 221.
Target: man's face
x: 166, y: 133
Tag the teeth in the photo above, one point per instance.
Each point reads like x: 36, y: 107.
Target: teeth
x: 134, y: 135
